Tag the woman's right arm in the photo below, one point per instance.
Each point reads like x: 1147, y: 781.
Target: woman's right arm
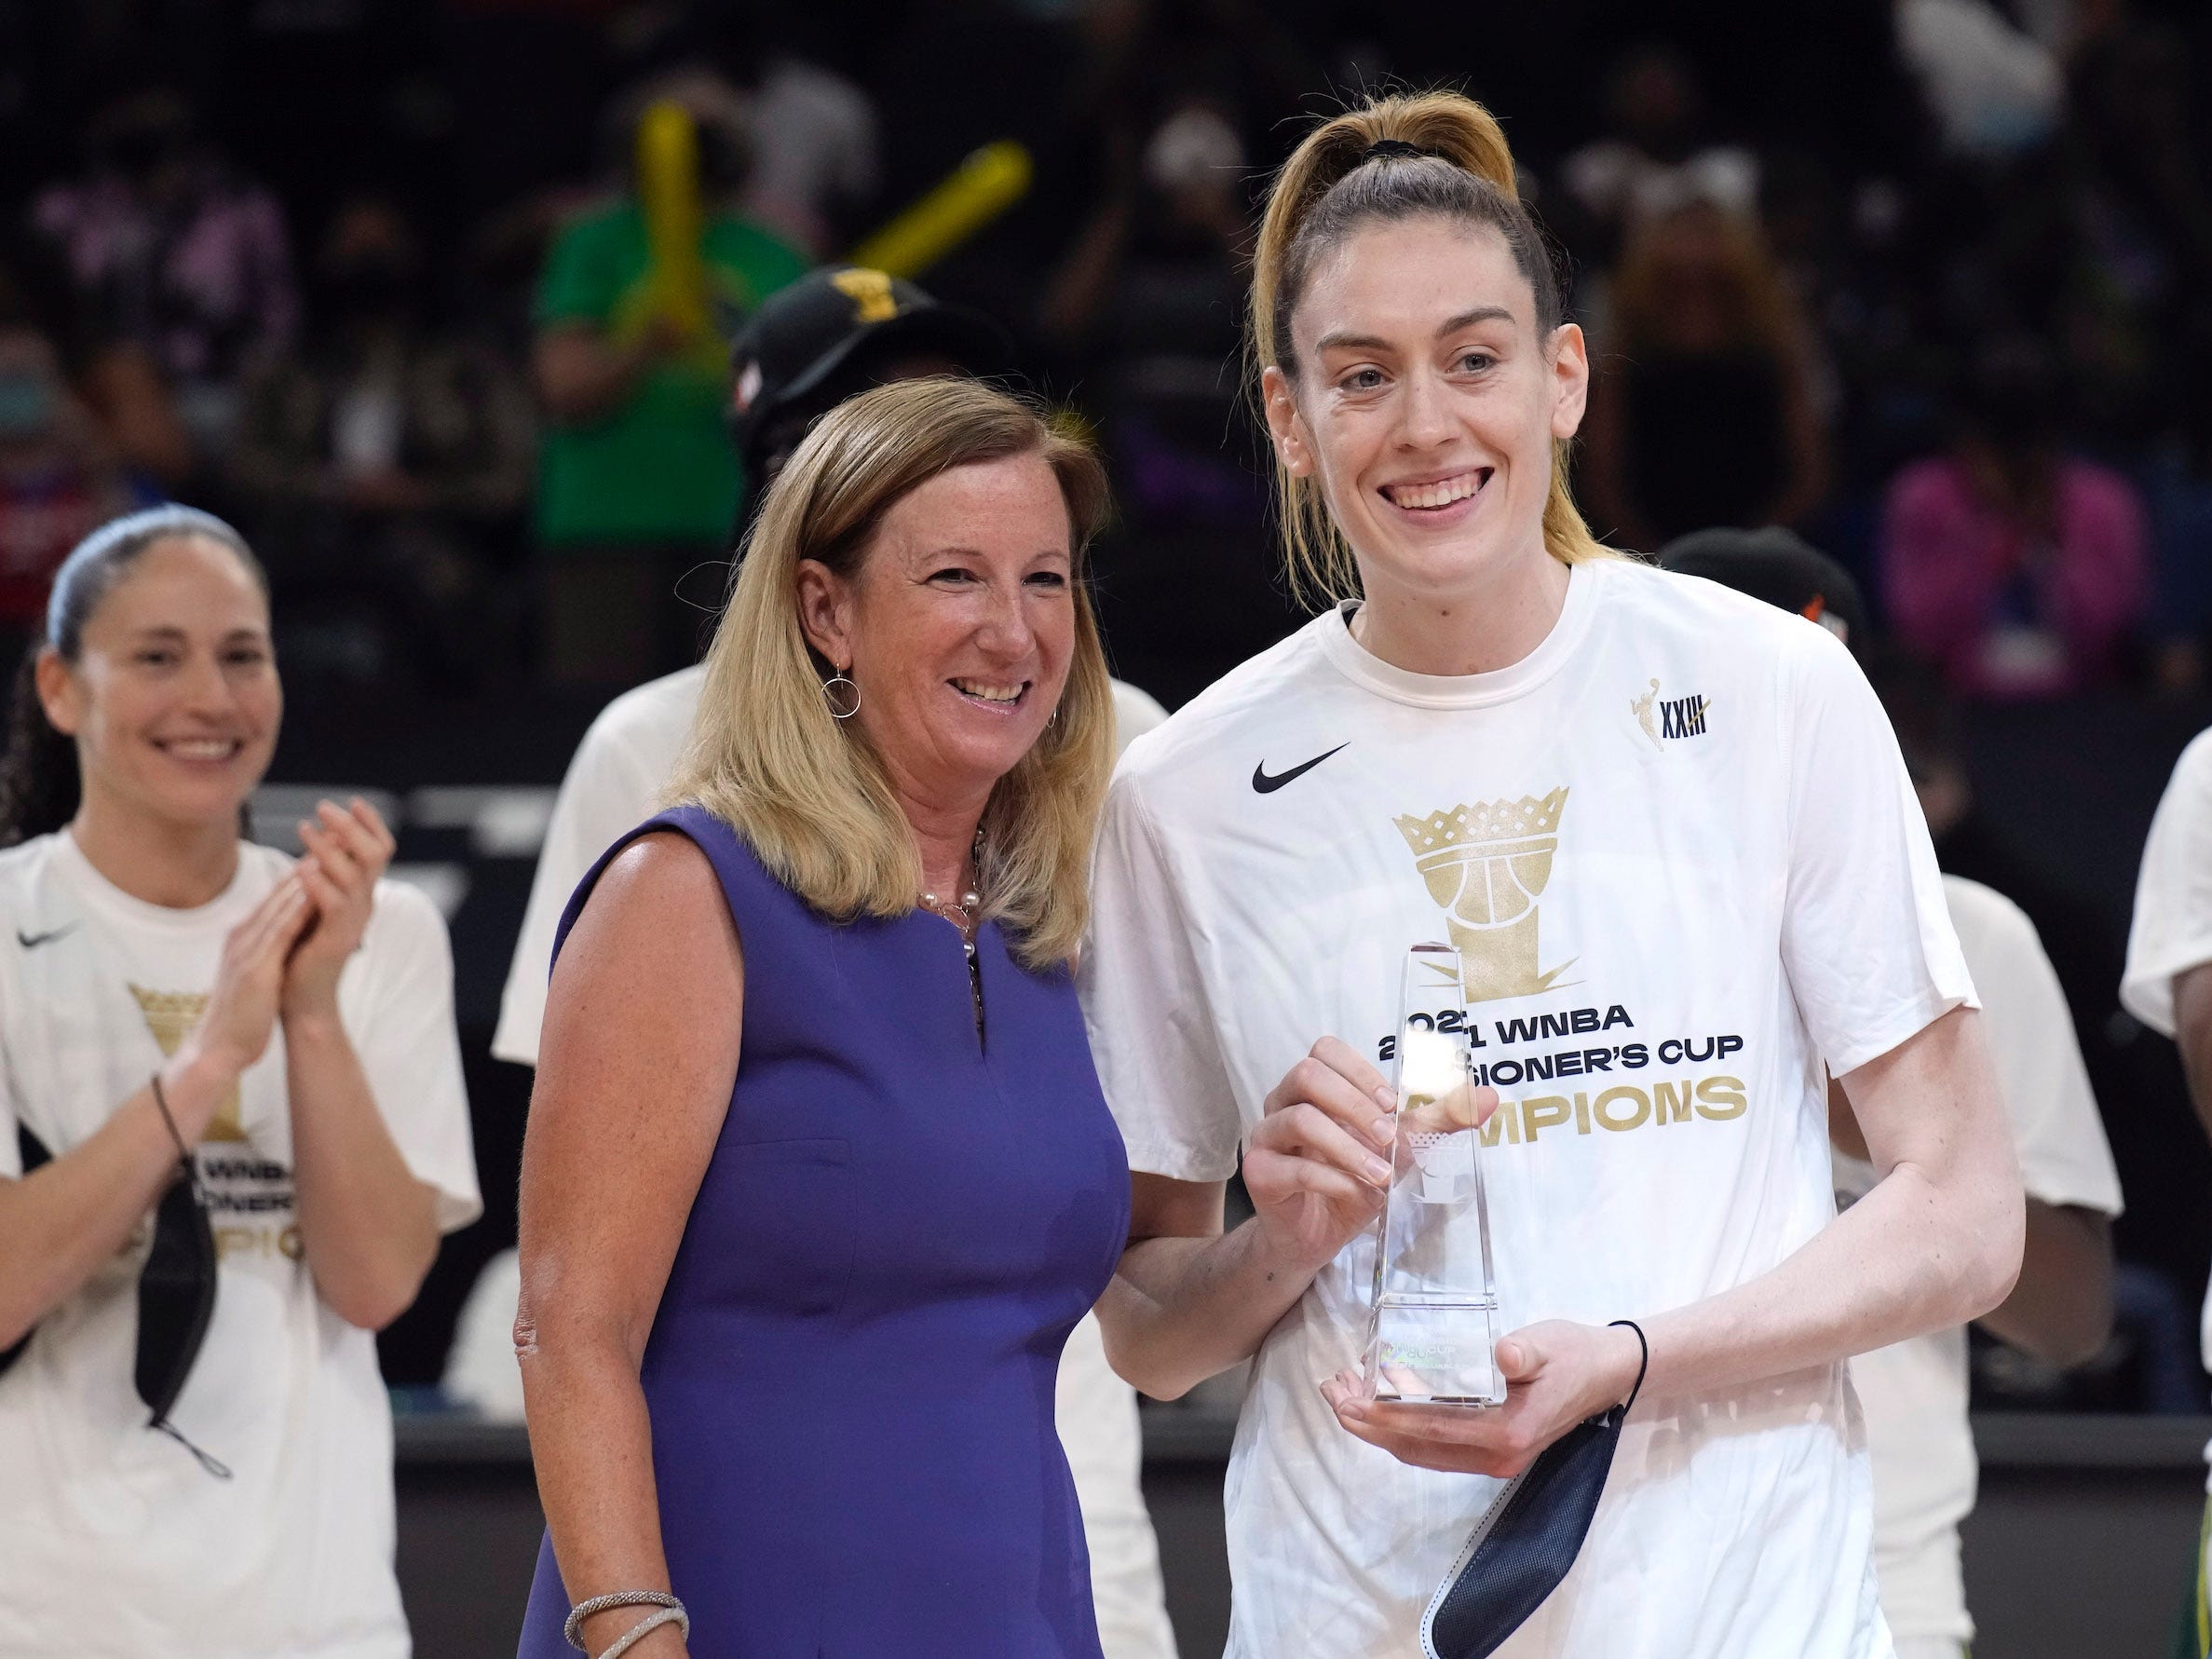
x: 1189, y: 1300
x: 62, y: 1221
x: 639, y: 1052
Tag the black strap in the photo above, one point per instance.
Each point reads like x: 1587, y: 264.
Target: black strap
x: 214, y: 1466
x: 1643, y: 1365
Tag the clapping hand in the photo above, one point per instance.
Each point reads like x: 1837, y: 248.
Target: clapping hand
x: 347, y: 849
x: 233, y: 1031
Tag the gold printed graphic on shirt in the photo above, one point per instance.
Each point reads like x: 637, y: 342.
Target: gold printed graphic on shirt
x: 1487, y: 864
x: 171, y: 1015
x: 1642, y: 706
x: 1675, y: 718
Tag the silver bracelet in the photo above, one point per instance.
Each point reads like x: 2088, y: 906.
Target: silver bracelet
x: 599, y: 1604
x: 645, y: 1626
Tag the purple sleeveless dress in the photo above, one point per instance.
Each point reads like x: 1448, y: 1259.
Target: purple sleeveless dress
x: 852, y: 1373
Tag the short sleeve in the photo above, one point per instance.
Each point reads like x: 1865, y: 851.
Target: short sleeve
x: 1145, y: 1002
x: 2171, y: 930
x: 580, y: 282
x: 604, y: 793
x: 410, y: 1049
x: 2064, y: 1156
x: 1866, y: 939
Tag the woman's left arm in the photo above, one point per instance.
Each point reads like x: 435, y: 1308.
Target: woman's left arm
x: 368, y: 1225
x: 1936, y: 1244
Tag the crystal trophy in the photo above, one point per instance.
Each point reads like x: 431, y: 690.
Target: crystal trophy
x: 1434, y: 1298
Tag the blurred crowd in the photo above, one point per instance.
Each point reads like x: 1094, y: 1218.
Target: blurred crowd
x: 1929, y: 280
x: 1926, y: 280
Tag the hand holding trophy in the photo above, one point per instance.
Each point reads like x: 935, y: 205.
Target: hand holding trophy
x: 1433, y: 1332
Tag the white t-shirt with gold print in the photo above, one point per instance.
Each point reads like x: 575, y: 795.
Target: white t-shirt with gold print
x: 114, y: 1543
x: 1684, y: 867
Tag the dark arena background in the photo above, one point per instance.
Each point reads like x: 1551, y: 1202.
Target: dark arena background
x: 1819, y: 248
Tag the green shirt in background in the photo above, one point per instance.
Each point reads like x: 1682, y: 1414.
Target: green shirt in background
x: 659, y: 468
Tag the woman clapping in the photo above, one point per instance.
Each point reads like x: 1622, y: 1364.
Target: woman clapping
x: 232, y: 1129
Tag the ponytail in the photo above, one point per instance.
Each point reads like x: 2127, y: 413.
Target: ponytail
x: 1442, y: 156
x: 38, y: 783
x: 39, y: 787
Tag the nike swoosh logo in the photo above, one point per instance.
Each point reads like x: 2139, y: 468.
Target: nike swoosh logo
x: 32, y: 940
x: 1263, y: 784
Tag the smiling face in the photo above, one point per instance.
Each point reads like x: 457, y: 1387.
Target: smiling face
x: 1426, y: 406
x: 173, y: 699
x: 956, y: 626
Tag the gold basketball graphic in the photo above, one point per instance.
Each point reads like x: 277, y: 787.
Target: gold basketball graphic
x: 1487, y: 864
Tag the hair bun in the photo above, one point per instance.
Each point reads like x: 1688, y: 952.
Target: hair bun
x: 1387, y: 147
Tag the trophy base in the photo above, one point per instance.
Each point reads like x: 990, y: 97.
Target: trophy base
x: 1429, y: 1349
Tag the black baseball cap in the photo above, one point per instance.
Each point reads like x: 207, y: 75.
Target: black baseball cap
x: 804, y: 335
x: 1779, y: 566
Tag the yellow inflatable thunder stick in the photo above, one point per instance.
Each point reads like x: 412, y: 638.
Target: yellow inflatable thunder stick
x: 975, y: 193
x: 668, y: 191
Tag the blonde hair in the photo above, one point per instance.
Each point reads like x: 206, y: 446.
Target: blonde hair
x: 806, y: 791
x: 1330, y: 186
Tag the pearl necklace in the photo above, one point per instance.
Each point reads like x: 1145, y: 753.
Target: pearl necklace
x: 963, y: 916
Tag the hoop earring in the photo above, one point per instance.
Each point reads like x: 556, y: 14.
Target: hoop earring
x: 830, y: 697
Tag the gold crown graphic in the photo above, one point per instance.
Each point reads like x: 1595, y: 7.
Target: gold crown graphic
x: 1487, y: 864
x: 1483, y: 822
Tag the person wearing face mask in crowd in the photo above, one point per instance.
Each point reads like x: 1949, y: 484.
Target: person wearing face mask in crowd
x: 389, y: 457
x: 1144, y: 312
x: 232, y: 1132
x: 1666, y: 828
x: 826, y: 338
x: 816, y: 1179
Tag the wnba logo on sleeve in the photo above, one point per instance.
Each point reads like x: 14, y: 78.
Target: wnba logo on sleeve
x: 1670, y: 717
x: 1487, y: 864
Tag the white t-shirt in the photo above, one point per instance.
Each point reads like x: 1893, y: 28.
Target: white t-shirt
x: 613, y: 783
x: 1684, y: 867
x: 115, y: 1543
x: 2172, y: 931
x: 1914, y: 1393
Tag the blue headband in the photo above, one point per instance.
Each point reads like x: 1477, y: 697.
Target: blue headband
x: 168, y: 519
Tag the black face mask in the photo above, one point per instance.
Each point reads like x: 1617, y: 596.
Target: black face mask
x: 176, y: 1295
x: 1527, y: 1539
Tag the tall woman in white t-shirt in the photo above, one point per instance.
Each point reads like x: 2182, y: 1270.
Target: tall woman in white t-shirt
x: 165, y: 982
x: 1668, y: 830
